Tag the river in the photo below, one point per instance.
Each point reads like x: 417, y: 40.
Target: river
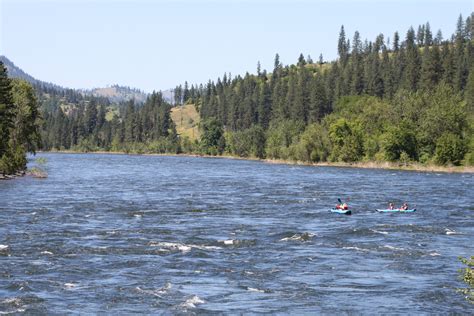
x: 121, y: 234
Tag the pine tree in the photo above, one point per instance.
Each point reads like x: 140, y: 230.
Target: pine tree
x: 186, y: 92
x: 428, y: 40
x: 412, y: 69
x: 26, y: 120
x: 91, y: 117
x: 439, y: 38
x: 276, y: 66
x: 461, y: 72
x: 430, y: 67
x: 301, y: 60
x: 6, y: 111
x: 420, y: 35
x: 357, y: 81
x: 342, y: 48
x: 396, y: 42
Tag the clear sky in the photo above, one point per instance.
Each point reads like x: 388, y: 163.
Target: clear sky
x: 156, y: 45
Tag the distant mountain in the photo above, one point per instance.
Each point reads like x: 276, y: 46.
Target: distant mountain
x: 16, y: 72
x: 114, y: 93
x: 117, y: 94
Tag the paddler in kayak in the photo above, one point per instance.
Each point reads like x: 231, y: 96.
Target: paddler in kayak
x: 342, y: 206
x: 404, y: 207
x: 391, y: 206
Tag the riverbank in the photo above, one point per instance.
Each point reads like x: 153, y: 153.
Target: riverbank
x: 362, y: 165
x: 12, y: 176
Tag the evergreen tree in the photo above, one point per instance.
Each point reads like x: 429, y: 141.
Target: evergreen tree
x: 412, y: 68
x: 342, y: 48
x: 357, y: 82
x: 91, y: 117
x: 301, y: 60
x: 430, y: 68
x: 6, y: 110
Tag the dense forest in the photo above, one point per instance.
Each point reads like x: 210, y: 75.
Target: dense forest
x: 411, y: 100
x: 405, y: 99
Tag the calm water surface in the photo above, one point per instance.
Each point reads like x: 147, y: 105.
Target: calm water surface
x: 140, y: 234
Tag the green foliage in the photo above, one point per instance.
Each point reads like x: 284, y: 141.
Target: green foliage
x: 280, y: 136
x: 444, y: 111
x: 397, y: 140
x: 450, y: 149
x: 247, y: 143
x: 6, y: 111
x: 19, y: 121
x: 212, y: 137
x: 346, y: 140
x: 467, y: 275
x: 27, y: 117
x: 314, y: 145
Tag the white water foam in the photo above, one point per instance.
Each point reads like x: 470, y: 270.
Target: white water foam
x: 192, y: 302
x: 392, y: 247
x: 4, y: 247
x: 171, y: 246
x: 355, y: 248
x: 379, y: 232
x: 435, y: 254
x: 20, y: 310
x: 70, y: 285
x: 303, y: 237
x: 158, y: 292
x: 228, y: 241
x: 46, y: 252
x: 451, y: 232
x: 251, y: 289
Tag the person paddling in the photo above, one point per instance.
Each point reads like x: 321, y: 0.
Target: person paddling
x: 342, y: 206
x: 404, y: 207
x: 391, y: 206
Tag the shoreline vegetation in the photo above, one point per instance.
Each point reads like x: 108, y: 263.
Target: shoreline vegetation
x: 361, y: 165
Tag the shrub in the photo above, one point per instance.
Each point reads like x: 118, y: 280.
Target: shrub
x: 467, y: 275
x: 450, y: 148
x: 399, y: 139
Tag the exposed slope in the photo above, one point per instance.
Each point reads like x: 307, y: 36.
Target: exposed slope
x: 187, y: 120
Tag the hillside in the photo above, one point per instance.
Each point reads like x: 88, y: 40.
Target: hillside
x: 16, y: 72
x: 186, y: 119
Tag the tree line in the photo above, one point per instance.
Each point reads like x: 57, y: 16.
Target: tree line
x: 130, y: 127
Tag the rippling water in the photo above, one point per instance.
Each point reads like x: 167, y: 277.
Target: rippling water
x: 146, y: 234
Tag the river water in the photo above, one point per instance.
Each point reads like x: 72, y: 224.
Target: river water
x: 120, y: 234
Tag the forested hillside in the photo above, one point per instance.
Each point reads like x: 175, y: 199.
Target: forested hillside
x: 407, y: 99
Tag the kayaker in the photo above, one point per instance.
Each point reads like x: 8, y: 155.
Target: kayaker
x: 391, y: 206
x: 404, y: 207
x: 342, y: 206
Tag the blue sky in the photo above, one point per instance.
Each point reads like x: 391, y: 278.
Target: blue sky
x: 155, y: 45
